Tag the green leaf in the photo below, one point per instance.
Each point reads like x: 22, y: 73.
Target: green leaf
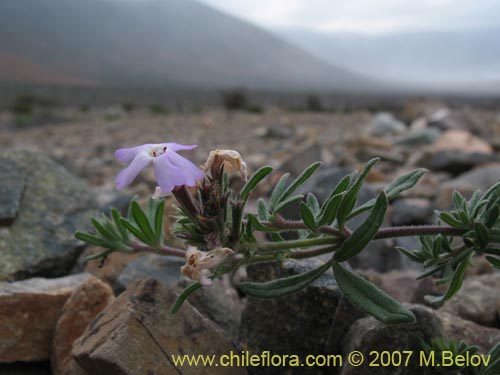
x: 307, y: 216
x: 142, y: 221
x: 495, y: 262
x: 312, y: 203
x: 278, y: 192
x: 281, y: 287
x: 257, y: 224
x: 365, y: 232
x: 300, y: 180
x: 328, y: 212
x: 287, y: 202
x: 455, y: 284
x: 158, y: 220
x: 371, y: 299
x: 412, y: 255
x: 182, y: 297
x: 482, y: 233
x: 93, y: 240
x: 262, y: 209
x: 493, y: 367
x: 450, y: 220
x: 135, y: 231
x: 253, y: 181
x: 351, y: 196
x: 116, y: 217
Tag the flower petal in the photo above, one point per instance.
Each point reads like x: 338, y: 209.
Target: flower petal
x: 167, y: 175
x: 190, y: 172
x: 128, y: 154
x: 127, y: 175
x: 172, y: 146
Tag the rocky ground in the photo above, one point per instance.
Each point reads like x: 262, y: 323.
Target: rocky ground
x: 117, y: 322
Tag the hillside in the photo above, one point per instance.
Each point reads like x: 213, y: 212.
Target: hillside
x: 172, y: 42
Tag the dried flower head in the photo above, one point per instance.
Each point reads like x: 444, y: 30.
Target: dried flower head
x: 230, y: 159
x: 170, y: 168
x: 200, y: 263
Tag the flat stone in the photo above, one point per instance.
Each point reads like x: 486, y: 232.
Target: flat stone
x: 139, y: 325
x: 11, y: 190
x: 40, y: 241
x: 219, y: 302
x: 472, y: 333
x: 29, y: 311
x: 368, y: 334
x: 85, y: 302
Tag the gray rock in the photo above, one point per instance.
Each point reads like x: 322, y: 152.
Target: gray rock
x: 411, y: 212
x: 446, y: 119
x: 278, y: 131
x: 54, y: 204
x: 11, y: 190
x: 419, y: 137
x: 302, y: 159
x: 478, y: 179
x: 164, y: 269
x: 137, y: 334
x: 478, y: 300
x: 454, y: 161
x: 312, y: 321
x: 384, y: 123
x: 369, y: 334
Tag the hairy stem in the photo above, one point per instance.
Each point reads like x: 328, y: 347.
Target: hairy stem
x: 418, y: 230
x: 162, y: 250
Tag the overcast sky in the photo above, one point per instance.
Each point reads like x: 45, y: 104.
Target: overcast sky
x: 365, y: 16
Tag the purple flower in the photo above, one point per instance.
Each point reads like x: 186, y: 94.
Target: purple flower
x: 170, y: 168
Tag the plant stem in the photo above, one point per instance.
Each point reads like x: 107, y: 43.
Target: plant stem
x: 271, y: 246
x: 418, y: 230
x: 297, y: 225
x: 162, y: 250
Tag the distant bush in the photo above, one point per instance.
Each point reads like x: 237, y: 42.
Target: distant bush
x: 24, y: 104
x: 235, y: 100
x: 128, y: 107
x: 255, y: 108
x: 313, y: 104
x: 84, y: 108
x: 158, y: 109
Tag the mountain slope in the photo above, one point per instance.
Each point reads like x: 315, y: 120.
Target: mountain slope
x: 169, y: 42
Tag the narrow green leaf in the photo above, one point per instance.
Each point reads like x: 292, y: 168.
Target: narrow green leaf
x: 278, y: 192
x: 351, y: 196
x: 329, y: 210
x: 412, y: 255
x: 158, y: 220
x: 403, y: 183
x: 493, y: 367
x: 103, y: 231
x: 136, y: 232
x: 90, y: 239
x: 482, y: 233
x: 300, y: 180
x: 307, y: 216
x: 253, y: 181
x: 184, y: 295
x: 495, y: 262
x: 491, y: 214
x: 459, y: 201
x: 116, y: 217
x: 371, y: 299
x: 257, y: 224
x: 287, y: 202
x: 281, y: 287
x: 313, y: 203
x: 143, y: 223
x: 450, y: 220
x: 365, y: 232
x: 262, y: 209
x: 455, y: 284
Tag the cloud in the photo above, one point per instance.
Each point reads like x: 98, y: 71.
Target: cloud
x: 366, y: 16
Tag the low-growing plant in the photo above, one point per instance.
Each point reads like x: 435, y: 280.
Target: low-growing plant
x: 221, y: 234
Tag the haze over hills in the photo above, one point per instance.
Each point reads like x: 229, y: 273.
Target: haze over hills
x: 464, y: 60
x: 158, y: 42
